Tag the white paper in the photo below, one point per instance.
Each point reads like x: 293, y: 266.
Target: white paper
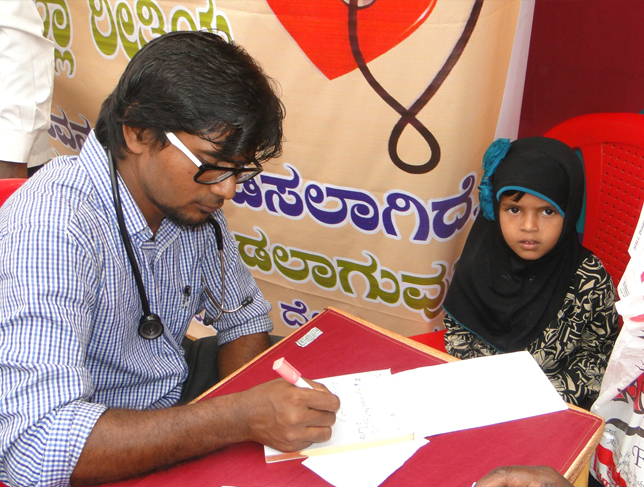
x: 631, y: 282
x: 634, y: 247
x: 367, y: 413
x: 363, y: 468
x: 476, y: 392
x: 632, y: 306
x: 432, y: 400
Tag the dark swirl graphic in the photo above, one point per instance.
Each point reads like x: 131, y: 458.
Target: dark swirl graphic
x: 408, y: 116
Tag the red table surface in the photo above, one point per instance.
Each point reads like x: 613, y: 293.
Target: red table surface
x: 449, y: 460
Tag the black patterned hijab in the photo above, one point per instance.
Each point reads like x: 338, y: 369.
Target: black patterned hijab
x: 505, y: 300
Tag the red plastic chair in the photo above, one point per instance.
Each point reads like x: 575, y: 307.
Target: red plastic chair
x: 612, y: 147
x: 434, y: 339
x: 8, y: 186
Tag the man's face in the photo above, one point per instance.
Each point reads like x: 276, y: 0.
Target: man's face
x: 166, y: 179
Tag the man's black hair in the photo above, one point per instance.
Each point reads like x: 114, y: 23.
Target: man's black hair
x: 195, y: 82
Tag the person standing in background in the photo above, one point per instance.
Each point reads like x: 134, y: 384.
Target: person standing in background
x: 26, y: 88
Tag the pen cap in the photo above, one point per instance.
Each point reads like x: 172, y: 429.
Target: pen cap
x: 286, y: 370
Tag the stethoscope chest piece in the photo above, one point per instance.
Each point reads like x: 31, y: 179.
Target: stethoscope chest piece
x: 150, y: 327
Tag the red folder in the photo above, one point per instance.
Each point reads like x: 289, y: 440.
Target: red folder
x: 562, y: 440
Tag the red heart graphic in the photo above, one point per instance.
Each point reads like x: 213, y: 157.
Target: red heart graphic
x: 320, y: 28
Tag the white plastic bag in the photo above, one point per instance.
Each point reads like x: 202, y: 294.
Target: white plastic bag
x: 619, y: 458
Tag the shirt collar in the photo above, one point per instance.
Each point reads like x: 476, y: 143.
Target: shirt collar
x: 95, y: 161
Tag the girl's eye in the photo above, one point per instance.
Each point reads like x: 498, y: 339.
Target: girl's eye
x: 549, y: 211
x: 513, y: 209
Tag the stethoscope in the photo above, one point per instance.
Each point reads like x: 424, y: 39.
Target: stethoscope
x: 150, y: 325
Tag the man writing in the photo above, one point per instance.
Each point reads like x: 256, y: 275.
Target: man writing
x: 90, y: 334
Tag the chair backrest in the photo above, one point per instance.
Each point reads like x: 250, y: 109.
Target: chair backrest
x: 7, y: 187
x: 612, y: 147
x: 434, y: 339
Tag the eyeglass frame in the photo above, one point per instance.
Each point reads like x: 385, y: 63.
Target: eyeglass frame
x: 228, y: 171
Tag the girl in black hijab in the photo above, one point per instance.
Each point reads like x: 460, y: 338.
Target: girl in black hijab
x: 524, y: 282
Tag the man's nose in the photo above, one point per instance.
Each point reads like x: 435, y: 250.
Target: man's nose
x: 226, y: 188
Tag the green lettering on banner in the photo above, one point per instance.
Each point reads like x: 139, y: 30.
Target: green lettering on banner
x: 374, y: 291
x: 420, y: 293
x: 150, y: 16
x: 223, y: 27
x: 131, y: 29
x: 57, y: 26
x: 100, y: 11
x: 127, y: 29
x: 182, y: 15
x: 416, y: 298
x: 321, y: 271
x: 257, y: 255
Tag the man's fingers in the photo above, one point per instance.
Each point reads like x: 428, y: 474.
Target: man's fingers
x: 321, y: 399
x: 310, y: 435
x: 319, y: 434
x: 321, y: 418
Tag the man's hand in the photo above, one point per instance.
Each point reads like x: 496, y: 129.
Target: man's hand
x: 286, y: 417
x: 520, y: 476
x: 125, y: 443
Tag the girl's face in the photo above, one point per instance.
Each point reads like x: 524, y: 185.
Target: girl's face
x: 531, y: 226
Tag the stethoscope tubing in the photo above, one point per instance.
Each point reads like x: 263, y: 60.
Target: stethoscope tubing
x: 150, y: 325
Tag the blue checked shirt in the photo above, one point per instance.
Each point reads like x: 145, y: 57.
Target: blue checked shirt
x: 69, y: 312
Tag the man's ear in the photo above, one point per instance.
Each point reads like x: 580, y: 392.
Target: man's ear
x: 134, y: 139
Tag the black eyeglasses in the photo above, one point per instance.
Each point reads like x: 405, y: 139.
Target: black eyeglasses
x: 211, y: 174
